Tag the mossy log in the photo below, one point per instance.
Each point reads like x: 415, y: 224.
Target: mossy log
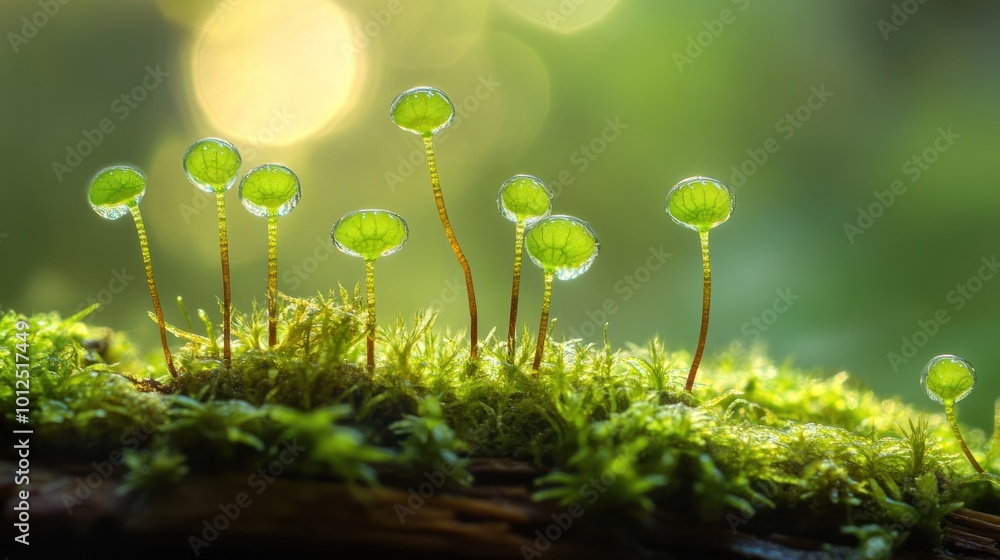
x: 494, y: 518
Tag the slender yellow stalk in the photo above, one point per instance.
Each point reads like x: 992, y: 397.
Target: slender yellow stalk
x: 370, y: 293
x: 949, y: 411
x: 706, y: 303
x: 227, y: 303
x: 543, y: 325
x: 147, y: 262
x: 272, y: 280
x: 515, y: 291
x: 439, y: 199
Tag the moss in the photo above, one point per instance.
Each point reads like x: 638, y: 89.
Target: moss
x: 759, y: 447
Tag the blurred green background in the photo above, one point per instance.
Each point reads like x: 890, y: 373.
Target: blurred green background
x: 810, y: 110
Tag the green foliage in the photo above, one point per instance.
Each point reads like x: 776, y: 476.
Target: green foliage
x: 524, y: 198
x: 562, y: 245
x: 115, y: 189
x: 429, y: 443
x: 422, y: 110
x: 948, y: 378
x: 758, y: 444
x: 270, y: 190
x: 370, y: 234
x: 151, y: 469
x: 700, y: 203
x: 212, y: 164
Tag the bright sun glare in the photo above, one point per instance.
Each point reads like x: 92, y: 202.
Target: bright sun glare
x: 274, y: 71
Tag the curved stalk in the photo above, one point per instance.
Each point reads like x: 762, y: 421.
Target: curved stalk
x: 453, y: 241
x: 706, y: 303
x: 949, y: 411
x: 147, y: 263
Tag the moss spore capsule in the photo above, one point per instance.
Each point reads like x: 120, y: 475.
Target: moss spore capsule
x: 701, y: 203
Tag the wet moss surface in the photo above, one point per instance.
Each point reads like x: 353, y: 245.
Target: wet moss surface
x: 757, y: 447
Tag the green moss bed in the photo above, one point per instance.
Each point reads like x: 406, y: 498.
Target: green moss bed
x: 607, y: 436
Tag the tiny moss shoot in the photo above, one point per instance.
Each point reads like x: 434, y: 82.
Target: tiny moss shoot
x: 425, y: 111
x: 213, y: 165
x: 114, y: 192
x: 701, y: 204
x: 271, y: 191
x: 523, y: 199
x: 948, y: 379
x: 370, y: 234
x: 564, y: 247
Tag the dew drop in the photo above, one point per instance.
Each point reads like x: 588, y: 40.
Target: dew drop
x: 524, y: 198
x: 562, y: 245
x: 114, y: 189
x: 700, y: 203
x: 212, y: 164
x: 370, y: 234
x: 422, y: 110
x: 270, y: 190
x: 948, y: 378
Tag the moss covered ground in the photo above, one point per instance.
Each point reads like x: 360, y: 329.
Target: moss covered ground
x: 757, y: 446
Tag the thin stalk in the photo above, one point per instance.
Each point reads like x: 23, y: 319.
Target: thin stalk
x: 515, y: 291
x: 439, y: 199
x: 227, y: 302
x: 949, y: 411
x: 370, y: 293
x: 147, y: 262
x: 543, y: 325
x: 272, y: 280
x: 706, y: 303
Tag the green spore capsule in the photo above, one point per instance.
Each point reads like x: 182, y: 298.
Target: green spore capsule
x: 270, y: 191
x: 213, y: 166
x: 370, y: 234
x: 425, y: 111
x: 422, y: 110
x: 114, y: 192
x: 948, y: 379
x: 523, y: 199
x: 564, y: 247
x: 701, y: 203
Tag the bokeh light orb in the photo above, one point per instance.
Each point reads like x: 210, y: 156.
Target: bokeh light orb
x: 274, y: 72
